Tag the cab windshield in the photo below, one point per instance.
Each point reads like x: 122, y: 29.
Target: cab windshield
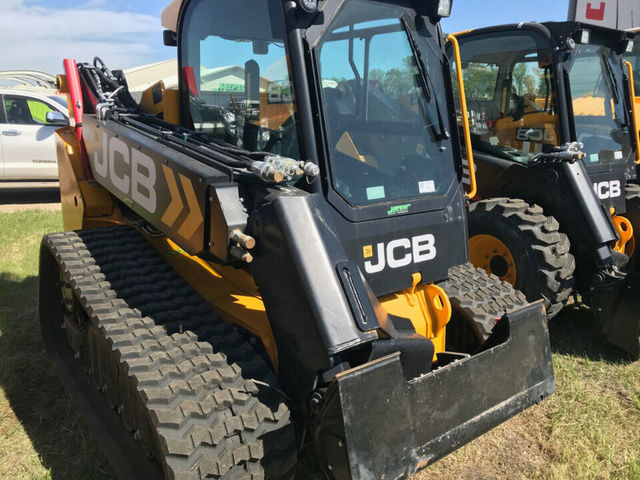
x: 508, y: 81
x: 237, y: 79
x: 385, y: 112
x: 598, y: 97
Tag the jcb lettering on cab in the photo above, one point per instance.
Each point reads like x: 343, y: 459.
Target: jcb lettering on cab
x: 400, y: 253
x: 606, y: 190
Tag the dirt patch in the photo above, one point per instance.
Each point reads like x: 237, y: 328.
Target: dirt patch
x: 512, y: 450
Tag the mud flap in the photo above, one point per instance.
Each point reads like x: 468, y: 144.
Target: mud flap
x: 621, y: 322
x: 376, y: 424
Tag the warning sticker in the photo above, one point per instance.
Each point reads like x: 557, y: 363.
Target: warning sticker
x: 375, y: 193
x: 427, y: 186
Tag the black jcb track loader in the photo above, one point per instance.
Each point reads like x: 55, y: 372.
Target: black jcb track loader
x: 555, y: 148
x: 265, y: 271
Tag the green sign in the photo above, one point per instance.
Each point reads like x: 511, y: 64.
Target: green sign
x: 399, y: 209
x: 231, y: 87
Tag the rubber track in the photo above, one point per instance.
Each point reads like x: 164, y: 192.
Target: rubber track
x: 190, y: 387
x: 631, y: 191
x: 480, y: 297
x: 549, y: 248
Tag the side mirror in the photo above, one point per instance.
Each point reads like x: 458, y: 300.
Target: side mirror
x: 56, y: 118
x: 169, y: 38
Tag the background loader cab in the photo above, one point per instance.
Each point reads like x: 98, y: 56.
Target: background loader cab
x: 312, y: 196
x: 553, y: 217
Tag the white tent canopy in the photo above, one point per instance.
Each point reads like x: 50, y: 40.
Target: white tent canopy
x: 170, y: 15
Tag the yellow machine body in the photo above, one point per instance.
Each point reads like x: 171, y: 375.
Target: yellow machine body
x: 428, y: 308
x: 159, y: 100
x: 230, y: 291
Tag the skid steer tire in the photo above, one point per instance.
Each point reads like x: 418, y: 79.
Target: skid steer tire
x: 191, y: 389
x: 542, y: 265
x: 632, y: 197
x: 479, y: 298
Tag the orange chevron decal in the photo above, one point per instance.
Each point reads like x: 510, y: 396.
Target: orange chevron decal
x: 176, y: 206
x: 195, y: 217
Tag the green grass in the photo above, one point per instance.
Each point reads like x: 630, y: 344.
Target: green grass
x: 42, y: 436
x: 590, y: 429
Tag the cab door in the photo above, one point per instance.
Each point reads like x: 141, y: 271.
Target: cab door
x: 27, y: 142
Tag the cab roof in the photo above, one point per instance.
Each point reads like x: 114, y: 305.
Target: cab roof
x: 558, y: 32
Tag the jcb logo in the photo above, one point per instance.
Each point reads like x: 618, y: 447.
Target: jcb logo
x: 533, y: 135
x: 135, y: 175
x: 606, y: 190
x: 130, y: 171
x: 400, y: 253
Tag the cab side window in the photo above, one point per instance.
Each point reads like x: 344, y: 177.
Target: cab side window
x: 509, y: 86
x: 25, y: 111
x: 530, y: 89
x: 481, y: 85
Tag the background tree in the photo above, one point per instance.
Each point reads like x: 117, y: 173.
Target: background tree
x: 518, y: 75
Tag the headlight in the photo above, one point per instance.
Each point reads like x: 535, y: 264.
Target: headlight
x: 229, y: 117
x: 444, y: 8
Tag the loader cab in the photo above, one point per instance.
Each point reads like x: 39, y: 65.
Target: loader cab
x: 534, y: 87
x: 375, y: 113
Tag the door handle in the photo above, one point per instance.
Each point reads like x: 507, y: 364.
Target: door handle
x: 11, y: 133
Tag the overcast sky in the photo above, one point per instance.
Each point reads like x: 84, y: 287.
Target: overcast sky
x: 39, y: 34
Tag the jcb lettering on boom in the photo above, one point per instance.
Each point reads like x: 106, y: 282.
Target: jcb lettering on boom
x: 606, y: 190
x: 128, y: 169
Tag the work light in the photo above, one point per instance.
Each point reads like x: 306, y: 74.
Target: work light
x: 585, y: 37
x: 444, y: 8
x: 310, y: 6
x: 629, y: 47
